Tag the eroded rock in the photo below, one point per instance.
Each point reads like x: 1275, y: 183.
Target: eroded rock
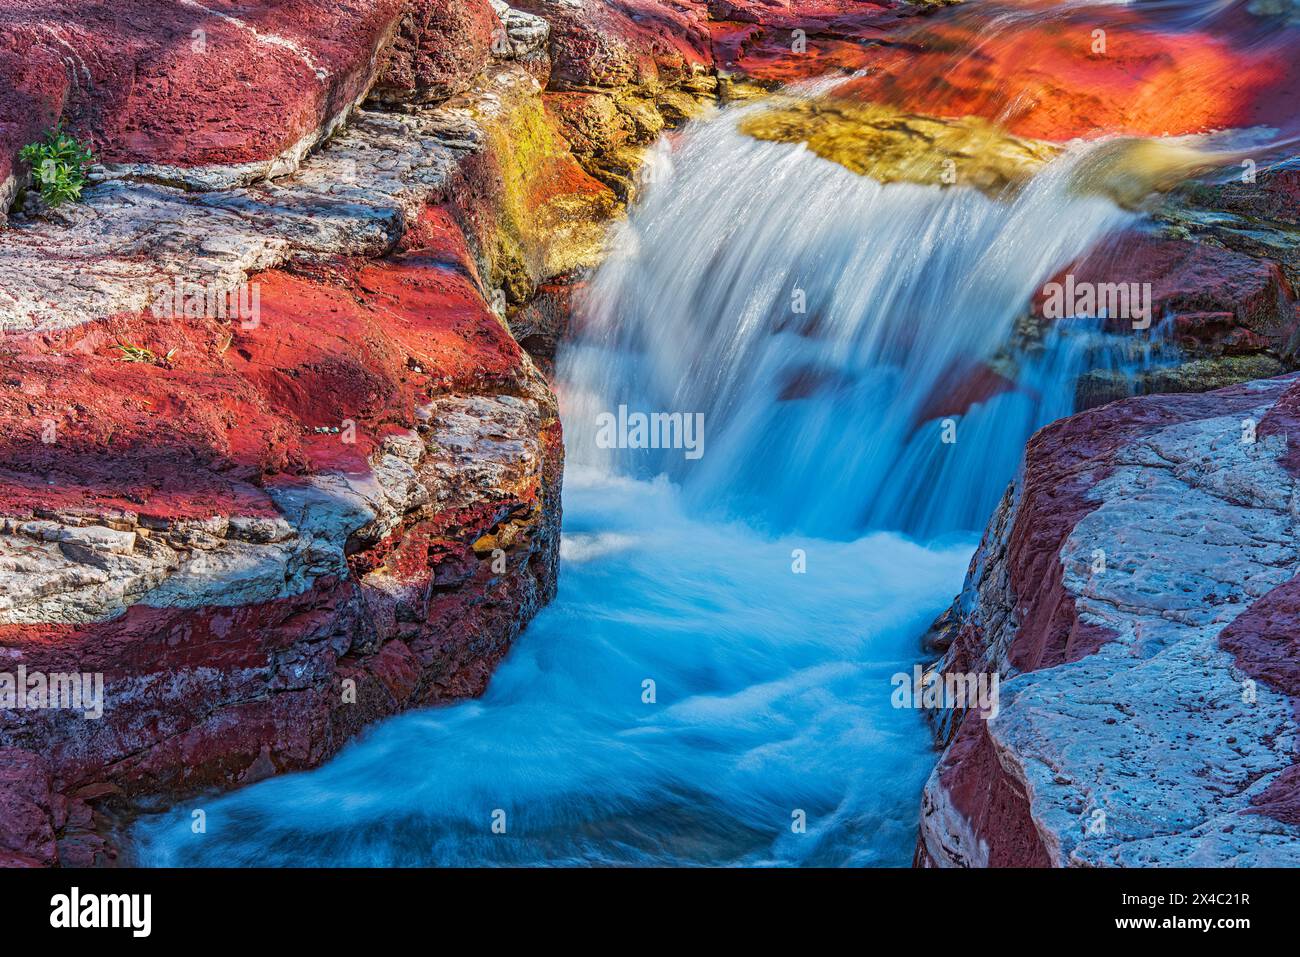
x: 1129, y: 591
x: 266, y: 531
x: 439, y: 48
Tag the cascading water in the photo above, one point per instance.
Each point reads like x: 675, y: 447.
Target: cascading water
x: 813, y: 316
x: 716, y: 668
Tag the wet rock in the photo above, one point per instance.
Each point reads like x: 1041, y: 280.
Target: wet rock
x: 1232, y: 316
x: 1253, y: 213
x: 1056, y: 79
x: 1100, y: 386
x: 891, y: 146
x: 776, y: 43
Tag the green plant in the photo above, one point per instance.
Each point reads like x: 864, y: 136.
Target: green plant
x: 58, y: 165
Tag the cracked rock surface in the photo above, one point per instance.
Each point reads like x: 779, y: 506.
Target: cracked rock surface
x: 1137, y: 591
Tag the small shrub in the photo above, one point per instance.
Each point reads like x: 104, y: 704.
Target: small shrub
x: 58, y: 166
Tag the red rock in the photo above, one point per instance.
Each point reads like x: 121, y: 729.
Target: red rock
x: 971, y: 387
x: 219, y: 695
x: 1221, y: 301
x: 439, y: 47
x: 1216, y: 331
x: 758, y: 40
x: 1283, y: 421
x: 1018, y: 615
x: 32, y: 97
x: 1266, y: 644
x: 183, y: 83
x: 26, y: 818
x: 1040, y: 77
x: 198, y: 436
x: 627, y: 42
x: 990, y: 800
x: 1273, y: 196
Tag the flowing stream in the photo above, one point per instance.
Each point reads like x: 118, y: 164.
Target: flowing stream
x: 717, y: 665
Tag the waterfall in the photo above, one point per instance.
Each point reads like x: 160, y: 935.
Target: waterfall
x: 814, y: 317
x: 713, y: 683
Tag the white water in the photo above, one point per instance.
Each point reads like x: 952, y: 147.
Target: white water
x: 768, y: 700
x: 905, y: 289
x: 772, y: 688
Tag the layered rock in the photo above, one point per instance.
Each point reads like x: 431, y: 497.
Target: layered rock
x: 267, y: 525
x: 622, y: 73
x: 1136, y: 592
x: 274, y: 465
x: 1219, y: 265
x: 212, y: 93
x: 131, y: 240
x: 625, y: 72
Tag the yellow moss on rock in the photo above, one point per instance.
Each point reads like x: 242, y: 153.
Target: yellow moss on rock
x: 551, y: 216
x: 1129, y: 170
x: 890, y: 145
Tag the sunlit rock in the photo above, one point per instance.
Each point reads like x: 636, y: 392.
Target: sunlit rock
x: 892, y: 146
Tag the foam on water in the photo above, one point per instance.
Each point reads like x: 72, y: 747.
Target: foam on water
x: 772, y: 694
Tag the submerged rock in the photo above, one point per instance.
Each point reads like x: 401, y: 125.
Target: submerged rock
x: 892, y: 146
x: 1072, y: 74
x: 1131, y: 170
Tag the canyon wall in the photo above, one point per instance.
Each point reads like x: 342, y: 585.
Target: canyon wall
x: 1136, y: 588
x: 274, y: 465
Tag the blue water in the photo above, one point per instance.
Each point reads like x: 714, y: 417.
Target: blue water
x: 772, y: 695
x: 770, y: 589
